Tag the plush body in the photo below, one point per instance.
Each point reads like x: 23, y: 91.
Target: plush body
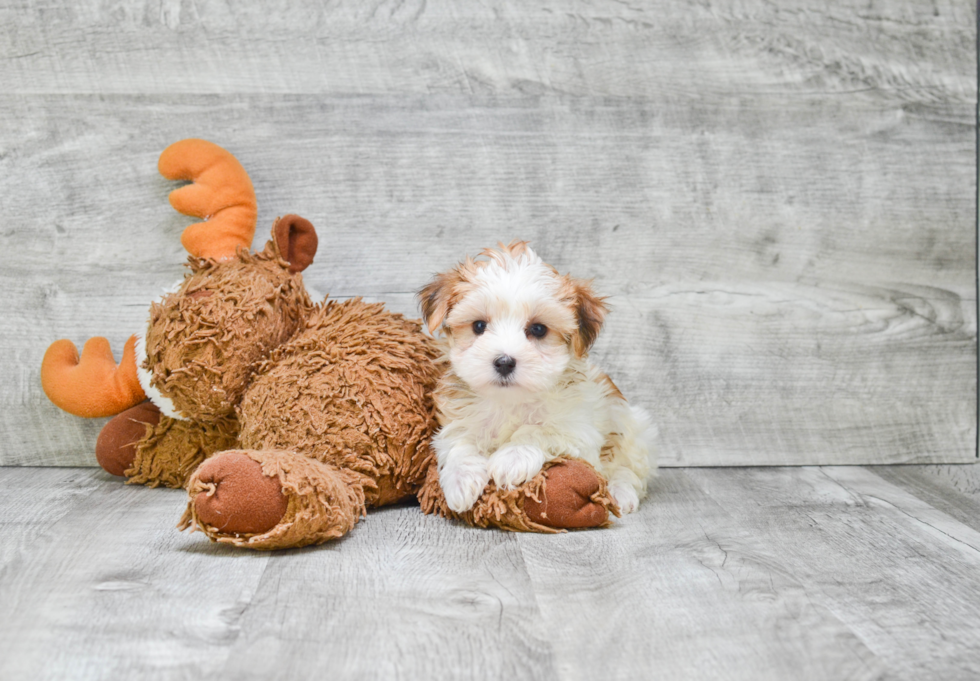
x: 340, y: 414
x: 284, y: 419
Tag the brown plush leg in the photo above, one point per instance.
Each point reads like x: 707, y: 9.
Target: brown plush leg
x: 566, y: 494
x: 237, y: 497
x: 115, y: 449
x: 173, y: 449
x: 569, y: 498
x: 240, y: 498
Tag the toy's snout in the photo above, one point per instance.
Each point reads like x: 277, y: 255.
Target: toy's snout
x: 206, y: 339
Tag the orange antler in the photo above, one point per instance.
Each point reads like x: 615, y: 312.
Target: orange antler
x: 93, y: 386
x: 222, y: 194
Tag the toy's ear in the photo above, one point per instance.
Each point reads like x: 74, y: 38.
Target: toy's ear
x: 590, y: 311
x: 296, y: 240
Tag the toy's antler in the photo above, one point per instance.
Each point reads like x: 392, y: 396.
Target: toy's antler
x: 93, y: 386
x: 222, y: 194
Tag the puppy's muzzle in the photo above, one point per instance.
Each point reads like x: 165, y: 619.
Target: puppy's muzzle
x: 504, y: 365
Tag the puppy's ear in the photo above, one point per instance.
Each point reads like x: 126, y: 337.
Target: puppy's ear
x: 590, y: 311
x: 436, y: 299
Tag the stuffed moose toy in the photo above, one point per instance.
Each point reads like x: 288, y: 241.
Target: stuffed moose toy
x: 284, y: 419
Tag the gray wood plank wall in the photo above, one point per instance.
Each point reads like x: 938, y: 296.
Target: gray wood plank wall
x: 777, y: 197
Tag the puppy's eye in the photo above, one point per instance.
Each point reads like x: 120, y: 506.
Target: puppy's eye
x: 479, y: 326
x: 537, y: 330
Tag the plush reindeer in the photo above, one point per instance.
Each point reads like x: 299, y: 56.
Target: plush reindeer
x: 284, y: 419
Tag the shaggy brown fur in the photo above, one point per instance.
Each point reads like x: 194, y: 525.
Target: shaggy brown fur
x: 335, y: 400
x: 512, y: 509
x: 342, y: 414
x: 353, y: 389
x: 324, y: 503
x: 172, y: 449
x: 205, y: 340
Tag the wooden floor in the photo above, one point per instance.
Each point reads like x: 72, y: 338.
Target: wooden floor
x: 752, y: 573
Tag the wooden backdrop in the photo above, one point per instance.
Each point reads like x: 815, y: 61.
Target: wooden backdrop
x: 779, y: 198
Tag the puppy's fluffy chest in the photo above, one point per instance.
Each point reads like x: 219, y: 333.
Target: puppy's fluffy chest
x: 574, y: 405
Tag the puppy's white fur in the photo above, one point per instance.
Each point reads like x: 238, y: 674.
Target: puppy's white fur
x: 555, y: 401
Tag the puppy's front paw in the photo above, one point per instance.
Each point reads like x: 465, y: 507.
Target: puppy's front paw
x: 462, y: 482
x: 625, y: 496
x: 515, y: 464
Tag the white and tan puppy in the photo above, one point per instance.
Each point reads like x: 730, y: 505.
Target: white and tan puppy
x: 521, y: 389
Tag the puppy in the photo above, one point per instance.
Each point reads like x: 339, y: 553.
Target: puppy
x: 520, y: 389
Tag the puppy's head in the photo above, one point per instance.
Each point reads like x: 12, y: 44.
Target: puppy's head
x: 513, y: 322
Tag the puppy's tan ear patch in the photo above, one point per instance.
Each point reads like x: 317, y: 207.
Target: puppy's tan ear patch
x: 590, y: 312
x: 436, y: 298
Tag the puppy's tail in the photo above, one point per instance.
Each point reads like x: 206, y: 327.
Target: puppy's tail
x: 645, y: 434
x: 635, y: 456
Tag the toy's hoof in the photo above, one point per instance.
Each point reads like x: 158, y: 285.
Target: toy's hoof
x: 115, y: 449
x: 567, y: 499
x: 240, y: 499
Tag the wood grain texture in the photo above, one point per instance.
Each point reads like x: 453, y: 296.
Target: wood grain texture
x: 885, y: 563
x: 955, y: 490
x: 779, y: 200
x: 809, y: 573
x: 403, y: 596
x: 30, y: 503
x: 111, y: 590
x: 681, y: 590
x: 498, y: 47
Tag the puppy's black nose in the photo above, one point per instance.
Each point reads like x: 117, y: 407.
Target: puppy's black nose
x: 504, y: 365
